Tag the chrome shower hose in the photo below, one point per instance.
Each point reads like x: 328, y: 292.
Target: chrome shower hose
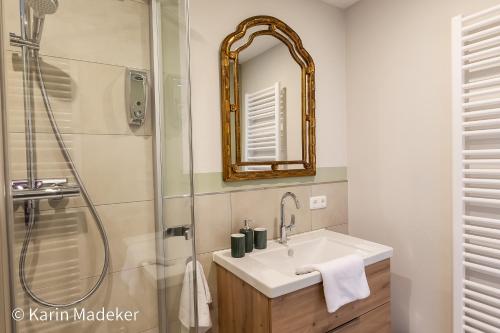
x: 31, y: 210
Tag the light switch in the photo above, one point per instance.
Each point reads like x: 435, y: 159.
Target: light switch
x: 318, y: 202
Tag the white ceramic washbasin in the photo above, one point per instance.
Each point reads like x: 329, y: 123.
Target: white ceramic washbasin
x: 272, y: 271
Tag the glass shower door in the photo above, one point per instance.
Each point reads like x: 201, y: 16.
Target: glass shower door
x: 138, y: 177
x: 174, y: 155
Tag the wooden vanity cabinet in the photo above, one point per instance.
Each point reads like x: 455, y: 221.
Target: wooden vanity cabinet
x: 243, y: 309
x: 376, y: 320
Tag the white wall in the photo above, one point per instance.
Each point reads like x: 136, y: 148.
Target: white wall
x: 321, y: 28
x: 399, y: 147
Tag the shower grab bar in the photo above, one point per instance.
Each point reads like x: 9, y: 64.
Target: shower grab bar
x: 52, y: 192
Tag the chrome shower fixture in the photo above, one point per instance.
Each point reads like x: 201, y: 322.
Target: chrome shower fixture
x: 32, y: 189
x: 43, y: 7
x: 40, y: 9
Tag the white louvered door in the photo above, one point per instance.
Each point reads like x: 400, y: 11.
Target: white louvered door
x: 476, y: 176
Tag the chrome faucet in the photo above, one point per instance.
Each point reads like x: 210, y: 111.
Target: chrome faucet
x: 283, y: 227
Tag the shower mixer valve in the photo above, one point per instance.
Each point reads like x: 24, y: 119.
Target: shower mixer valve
x: 24, y: 184
x: 57, y: 189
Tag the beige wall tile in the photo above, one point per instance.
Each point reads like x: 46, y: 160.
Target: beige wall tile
x: 133, y: 290
x: 256, y: 205
x: 131, y: 232
x: 111, y: 32
x: 86, y: 98
x: 213, y: 222
x: 66, y: 243
x: 342, y: 228
x: 65, y: 246
x: 177, y: 211
x: 302, y: 215
x: 50, y: 163
x: 263, y: 207
x: 115, y: 168
x: 336, y: 211
x: 49, y: 160
x: 153, y: 330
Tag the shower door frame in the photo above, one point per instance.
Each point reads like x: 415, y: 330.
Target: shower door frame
x: 6, y: 203
x: 156, y: 107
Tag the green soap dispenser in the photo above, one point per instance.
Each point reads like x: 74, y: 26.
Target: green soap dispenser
x: 248, y: 232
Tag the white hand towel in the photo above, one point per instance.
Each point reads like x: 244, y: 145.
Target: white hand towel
x: 186, y: 308
x: 344, y: 280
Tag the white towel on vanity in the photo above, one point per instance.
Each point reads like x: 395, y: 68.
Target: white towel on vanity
x: 186, y: 307
x: 344, y: 280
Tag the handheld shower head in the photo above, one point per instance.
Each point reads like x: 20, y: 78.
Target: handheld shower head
x: 43, y: 7
x: 40, y: 9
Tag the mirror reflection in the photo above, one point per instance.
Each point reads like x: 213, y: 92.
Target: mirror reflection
x: 270, y: 102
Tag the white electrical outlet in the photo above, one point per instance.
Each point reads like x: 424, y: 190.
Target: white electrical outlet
x: 318, y: 202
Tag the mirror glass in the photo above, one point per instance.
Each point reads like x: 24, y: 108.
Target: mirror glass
x: 270, y: 103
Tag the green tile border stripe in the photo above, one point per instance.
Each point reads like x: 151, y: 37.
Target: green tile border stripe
x: 212, y: 182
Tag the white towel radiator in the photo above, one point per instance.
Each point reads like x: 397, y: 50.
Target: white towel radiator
x: 476, y: 171
x: 263, y: 126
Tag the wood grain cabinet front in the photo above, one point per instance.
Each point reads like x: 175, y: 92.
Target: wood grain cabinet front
x: 243, y: 309
x: 376, y: 321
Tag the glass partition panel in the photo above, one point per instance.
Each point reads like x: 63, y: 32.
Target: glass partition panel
x: 98, y: 136
x: 173, y: 106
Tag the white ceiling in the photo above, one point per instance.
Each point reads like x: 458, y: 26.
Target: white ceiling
x: 341, y: 3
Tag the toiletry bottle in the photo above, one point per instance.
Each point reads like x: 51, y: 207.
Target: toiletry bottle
x: 248, y: 232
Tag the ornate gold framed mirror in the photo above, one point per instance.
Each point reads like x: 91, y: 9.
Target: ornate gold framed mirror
x: 267, y: 102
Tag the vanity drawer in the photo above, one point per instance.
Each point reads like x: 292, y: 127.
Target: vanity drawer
x: 375, y: 321
x: 244, y: 309
x: 305, y: 310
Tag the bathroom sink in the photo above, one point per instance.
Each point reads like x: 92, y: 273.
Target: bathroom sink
x: 272, y: 270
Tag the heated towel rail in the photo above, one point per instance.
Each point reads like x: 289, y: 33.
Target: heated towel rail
x: 262, y: 126
x: 476, y: 175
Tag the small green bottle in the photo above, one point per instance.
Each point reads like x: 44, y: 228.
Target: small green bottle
x: 248, y: 232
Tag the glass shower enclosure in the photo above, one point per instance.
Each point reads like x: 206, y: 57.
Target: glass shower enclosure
x: 98, y: 230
